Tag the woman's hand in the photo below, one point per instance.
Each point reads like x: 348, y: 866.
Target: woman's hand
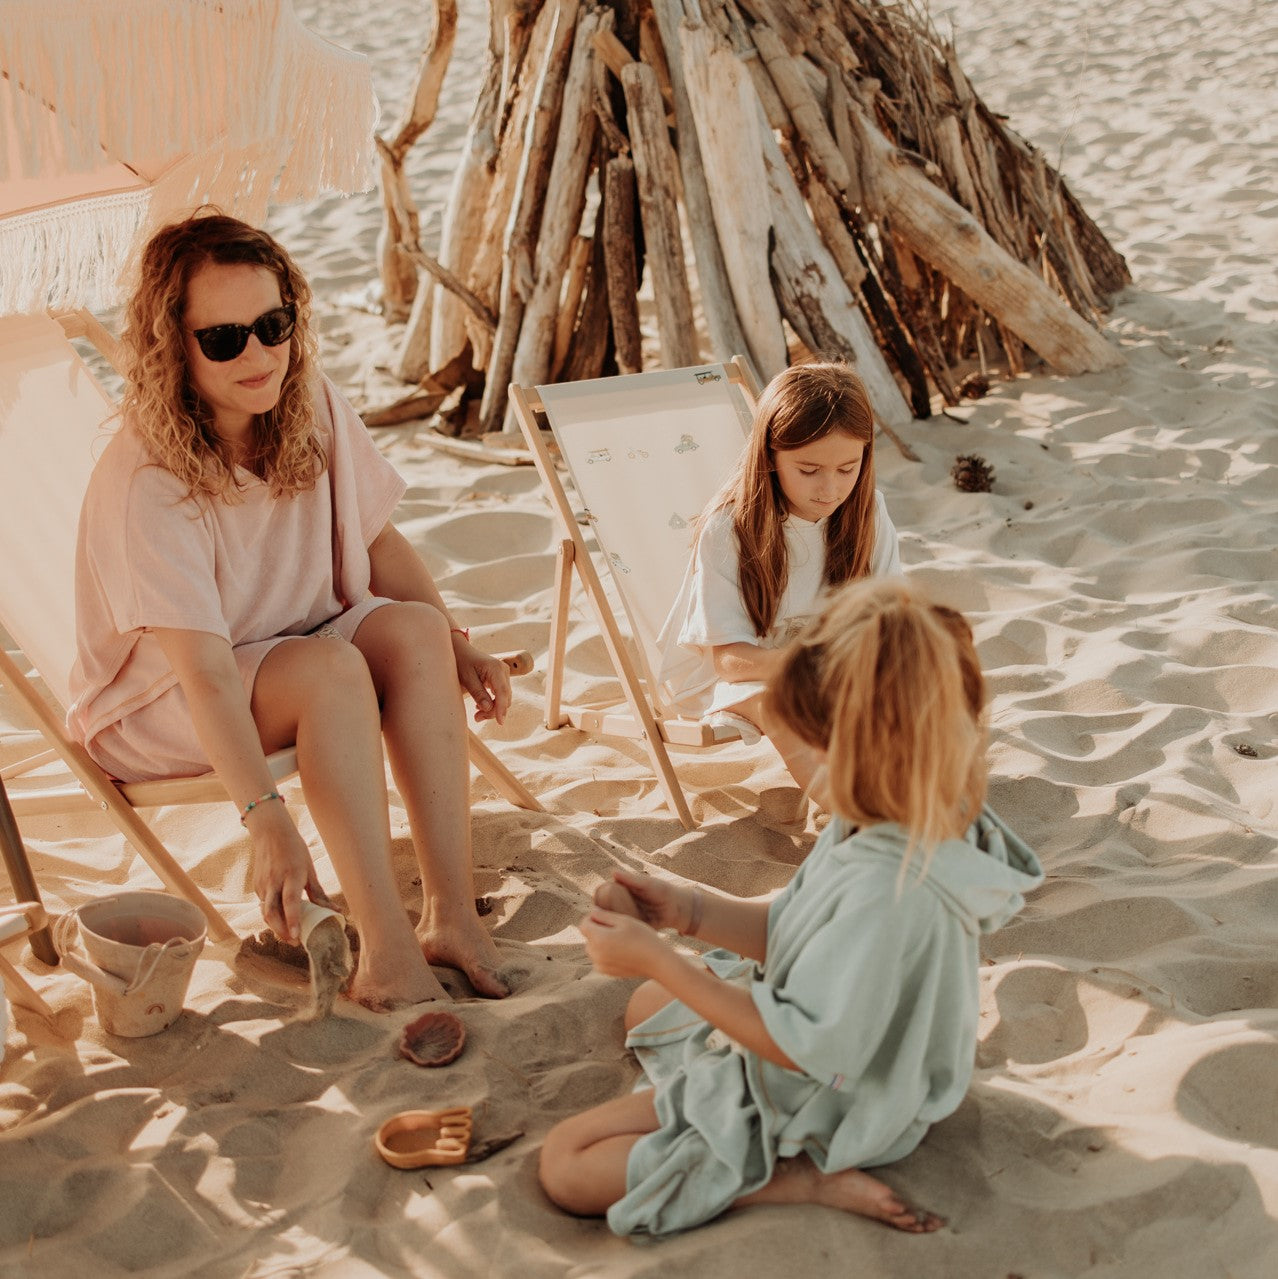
x: 282, y: 870
x: 657, y: 902
x: 485, y: 678
x: 620, y: 945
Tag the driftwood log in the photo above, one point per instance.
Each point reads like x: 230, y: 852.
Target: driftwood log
x: 401, y: 225
x: 621, y: 263
x: 564, y: 203
x: 659, y: 208
x: 814, y: 178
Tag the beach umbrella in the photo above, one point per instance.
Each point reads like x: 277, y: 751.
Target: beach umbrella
x: 116, y: 115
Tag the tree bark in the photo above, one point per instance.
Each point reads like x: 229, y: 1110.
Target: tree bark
x: 954, y: 242
x: 591, y: 341
x: 620, y: 263
x: 727, y: 336
x: 578, y: 265
x: 527, y: 203
x: 800, y: 255
x: 804, y: 109
x: 401, y: 224
x: 565, y: 197
x: 724, y: 106
x: 527, y: 36
x: 659, y: 211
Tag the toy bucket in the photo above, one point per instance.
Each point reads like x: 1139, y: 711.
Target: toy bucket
x: 142, y: 949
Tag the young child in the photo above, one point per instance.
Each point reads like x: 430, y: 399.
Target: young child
x: 800, y: 515
x: 839, y: 1022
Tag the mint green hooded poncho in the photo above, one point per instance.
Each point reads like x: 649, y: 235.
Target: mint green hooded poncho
x: 869, y: 987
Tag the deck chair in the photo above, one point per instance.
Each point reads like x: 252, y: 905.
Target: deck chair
x: 17, y: 921
x: 646, y: 452
x: 52, y: 410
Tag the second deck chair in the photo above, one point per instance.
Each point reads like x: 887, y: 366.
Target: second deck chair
x: 646, y: 453
x: 52, y: 411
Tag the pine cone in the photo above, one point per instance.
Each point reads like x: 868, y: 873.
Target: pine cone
x: 972, y: 473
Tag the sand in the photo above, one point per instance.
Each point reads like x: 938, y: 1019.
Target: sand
x: 1123, y: 1119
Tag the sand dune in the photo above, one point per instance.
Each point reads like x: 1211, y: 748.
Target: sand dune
x: 1120, y: 578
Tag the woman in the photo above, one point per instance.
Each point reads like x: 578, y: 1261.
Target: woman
x: 240, y: 588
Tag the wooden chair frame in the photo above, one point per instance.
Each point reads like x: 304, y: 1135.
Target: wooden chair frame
x: 639, y: 716
x: 15, y: 921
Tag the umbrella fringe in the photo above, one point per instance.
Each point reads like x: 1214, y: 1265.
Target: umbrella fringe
x: 199, y: 74
x: 68, y: 256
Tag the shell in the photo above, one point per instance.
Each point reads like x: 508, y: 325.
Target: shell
x: 434, y: 1039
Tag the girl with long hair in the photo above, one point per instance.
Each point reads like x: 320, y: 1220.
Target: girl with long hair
x: 837, y: 1023
x: 240, y: 588
x: 800, y: 516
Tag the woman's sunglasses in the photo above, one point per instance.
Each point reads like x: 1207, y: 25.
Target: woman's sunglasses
x: 226, y: 341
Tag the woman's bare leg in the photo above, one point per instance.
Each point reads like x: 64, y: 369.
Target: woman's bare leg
x: 409, y: 653
x: 583, y: 1159
x: 799, y: 1181
x: 316, y: 692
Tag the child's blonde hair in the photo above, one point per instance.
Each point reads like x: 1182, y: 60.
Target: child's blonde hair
x: 801, y: 405
x: 888, y: 684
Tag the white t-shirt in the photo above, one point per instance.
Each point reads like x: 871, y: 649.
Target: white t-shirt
x: 709, y: 610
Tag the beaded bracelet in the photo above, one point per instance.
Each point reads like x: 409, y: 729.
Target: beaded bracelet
x: 253, y: 803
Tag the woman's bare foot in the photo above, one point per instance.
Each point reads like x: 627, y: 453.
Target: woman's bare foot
x: 384, y: 987
x: 798, y: 1180
x: 469, y: 949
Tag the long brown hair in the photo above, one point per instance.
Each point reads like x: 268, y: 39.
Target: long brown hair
x: 159, y: 398
x: 801, y: 405
x: 888, y: 684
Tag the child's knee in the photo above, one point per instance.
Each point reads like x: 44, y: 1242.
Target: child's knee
x: 555, y: 1167
x: 648, y: 998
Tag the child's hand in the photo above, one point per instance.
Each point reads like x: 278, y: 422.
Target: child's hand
x: 657, y: 902
x: 620, y: 945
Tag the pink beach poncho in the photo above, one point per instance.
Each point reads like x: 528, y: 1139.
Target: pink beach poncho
x: 254, y: 572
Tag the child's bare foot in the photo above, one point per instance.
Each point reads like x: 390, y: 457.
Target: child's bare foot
x: 469, y: 948
x: 798, y: 1180
x: 858, y: 1192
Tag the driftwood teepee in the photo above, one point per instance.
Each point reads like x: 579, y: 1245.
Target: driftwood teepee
x: 840, y: 184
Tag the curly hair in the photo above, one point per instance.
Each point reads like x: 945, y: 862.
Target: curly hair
x: 801, y: 405
x: 159, y: 397
x: 888, y: 684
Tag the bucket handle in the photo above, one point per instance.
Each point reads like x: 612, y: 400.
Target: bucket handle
x: 64, y: 943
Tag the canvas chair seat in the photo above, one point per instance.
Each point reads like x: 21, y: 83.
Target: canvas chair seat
x: 646, y: 453
x: 53, y: 413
